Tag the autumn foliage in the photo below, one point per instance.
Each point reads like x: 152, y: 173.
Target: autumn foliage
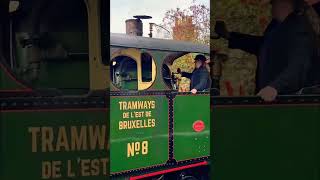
x: 184, y: 29
x: 191, y: 24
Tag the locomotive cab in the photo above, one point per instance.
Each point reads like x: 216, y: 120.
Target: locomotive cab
x: 151, y: 113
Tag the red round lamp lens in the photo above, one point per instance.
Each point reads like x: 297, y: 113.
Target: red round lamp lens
x: 198, y: 126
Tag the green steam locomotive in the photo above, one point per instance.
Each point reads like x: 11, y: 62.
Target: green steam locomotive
x: 57, y: 79
x: 156, y: 128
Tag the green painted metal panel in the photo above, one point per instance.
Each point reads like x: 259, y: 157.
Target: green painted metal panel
x: 7, y: 83
x: 188, y: 143
x: 139, y: 132
x: 159, y: 57
x: 266, y: 142
x: 64, y: 75
x: 54, y: 144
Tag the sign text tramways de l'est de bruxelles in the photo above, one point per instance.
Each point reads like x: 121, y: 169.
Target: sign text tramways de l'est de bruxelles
x: 89, y: 138
x: 69, y: 139
x: 141, y: 113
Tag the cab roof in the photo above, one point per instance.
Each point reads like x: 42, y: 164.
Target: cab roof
x: 123, y: 40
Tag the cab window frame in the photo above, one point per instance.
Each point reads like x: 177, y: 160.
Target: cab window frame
x: 141, y: 85
x: 81, y: 53
x: 170, y: 61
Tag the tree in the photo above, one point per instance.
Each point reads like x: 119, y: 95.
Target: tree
x: 191, y: 24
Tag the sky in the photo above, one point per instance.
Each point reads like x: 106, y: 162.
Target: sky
x: 126, y: 9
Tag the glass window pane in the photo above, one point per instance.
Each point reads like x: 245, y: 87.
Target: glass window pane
x: 124, y: 73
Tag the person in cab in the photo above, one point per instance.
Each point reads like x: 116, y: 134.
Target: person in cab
x: 200, y: 77
x: 288, y: 52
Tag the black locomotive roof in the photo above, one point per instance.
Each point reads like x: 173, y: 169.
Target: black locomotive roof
x: 123, y: 40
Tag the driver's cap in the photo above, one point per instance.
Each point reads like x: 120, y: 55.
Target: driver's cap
x: 200, y: 57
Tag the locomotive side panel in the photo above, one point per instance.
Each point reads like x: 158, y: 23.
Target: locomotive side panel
x: 276, y: 141
x: 59, y: 143
x: 191, y: 126
x: 138, y: 132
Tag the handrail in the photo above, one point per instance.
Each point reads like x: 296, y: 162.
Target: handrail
x: 255, y: 100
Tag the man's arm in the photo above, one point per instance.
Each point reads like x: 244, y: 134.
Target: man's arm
x: 187, y: 75
x: 245, y: 42
x: 241, y: 41
x: 300, y: 54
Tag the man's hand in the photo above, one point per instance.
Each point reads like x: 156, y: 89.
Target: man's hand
x: 179, y: 71
x: 221, y: 29
x: 268, y: 93
x: 194, y: 91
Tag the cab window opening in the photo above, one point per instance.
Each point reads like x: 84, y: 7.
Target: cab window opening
x: 146, y: 63
x: 48, y: 41
x: 176, y: 67
x: 124, y: 73
x: 132, y: 69
x: 166, y: 74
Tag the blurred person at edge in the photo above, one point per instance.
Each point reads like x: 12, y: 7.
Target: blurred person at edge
x: 288, y: 52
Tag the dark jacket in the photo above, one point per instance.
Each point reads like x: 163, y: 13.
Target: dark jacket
x: 200, y: 79
x: 288, y: 51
